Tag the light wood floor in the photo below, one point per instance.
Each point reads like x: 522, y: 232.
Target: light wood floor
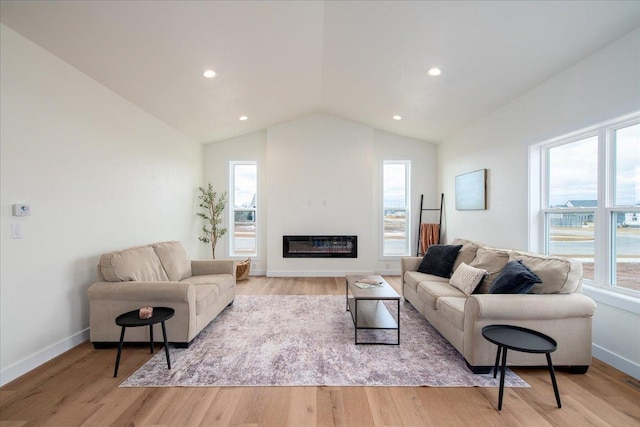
x: 78, y: 389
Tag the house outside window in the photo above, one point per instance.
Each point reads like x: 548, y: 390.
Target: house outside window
x: 395, y: 208
x: 243, y: 233
x: 586, y: 201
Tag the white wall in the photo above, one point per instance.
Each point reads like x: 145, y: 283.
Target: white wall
x: 250, y: 147
x: 602, y: 86
x: 321, y: 175
x: 100, y: 175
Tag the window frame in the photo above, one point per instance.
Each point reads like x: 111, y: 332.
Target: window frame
x: 232, y: 209
x: 407, y: 207
x: 604, y: 222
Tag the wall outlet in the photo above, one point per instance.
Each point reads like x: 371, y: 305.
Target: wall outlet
x: 20, y: 209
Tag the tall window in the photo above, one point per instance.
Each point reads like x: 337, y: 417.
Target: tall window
x: 395, y: 208
x: 572, y: 200
x: 590, y: 200
x: 625, y: 223
x: 243, y: 212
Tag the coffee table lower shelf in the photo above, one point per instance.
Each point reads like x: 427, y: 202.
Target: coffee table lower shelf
x: 370, y: 314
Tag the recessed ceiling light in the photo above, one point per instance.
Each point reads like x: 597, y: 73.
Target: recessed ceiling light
x: 243, y: 118
x: 209, y: 74
x: 397, y: 117
x: 434, y: 71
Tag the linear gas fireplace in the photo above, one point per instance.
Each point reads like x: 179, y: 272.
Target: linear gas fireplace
x: 320, y: 246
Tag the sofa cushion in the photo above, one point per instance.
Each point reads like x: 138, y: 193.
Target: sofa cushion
x: 452, y: 309
x: 467, y: 278
x: 412, y: 278
x: 224, y: 282
x: 139, y: 264
x: 429, y: 292
x: 206, y: 296
x: 515, y: 278
x: 491, y: 260
x: 467, y: 252
x: 558, y: 275
x: 174, y: 259
x: 439, y: 260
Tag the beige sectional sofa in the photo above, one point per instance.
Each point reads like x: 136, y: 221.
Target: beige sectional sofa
x: 160, y: 274
x: 555, y: 307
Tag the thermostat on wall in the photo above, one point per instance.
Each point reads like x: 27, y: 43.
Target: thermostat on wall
x: 21, y: 210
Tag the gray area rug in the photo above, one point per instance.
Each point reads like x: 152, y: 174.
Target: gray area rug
x: 309, y: 341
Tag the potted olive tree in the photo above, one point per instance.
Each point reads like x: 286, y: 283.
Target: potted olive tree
x: 213, y: 206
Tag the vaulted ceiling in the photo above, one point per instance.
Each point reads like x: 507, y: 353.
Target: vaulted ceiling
x: 364, y: 61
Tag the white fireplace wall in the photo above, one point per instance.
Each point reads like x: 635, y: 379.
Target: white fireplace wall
x: 321, y: 175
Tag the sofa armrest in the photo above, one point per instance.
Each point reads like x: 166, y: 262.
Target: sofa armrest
x: 409, y: 263
x: 107, y: 300
x: 565, y: 317
x: 498, y: 307
x: 152, y: 293
x: 205, y: 267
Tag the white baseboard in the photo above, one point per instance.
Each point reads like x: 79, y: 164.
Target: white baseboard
x: 254, y: 272
x: 329, y: 273
x: 625, y: 365
x: 271, y: 273
x: 389, y: 272
x: 20, y: 368
x: 316, y: 273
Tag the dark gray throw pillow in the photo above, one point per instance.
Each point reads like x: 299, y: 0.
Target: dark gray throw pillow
x: 515, y: 278
x: 439, y: 260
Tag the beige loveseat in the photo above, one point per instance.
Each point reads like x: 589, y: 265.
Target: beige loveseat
x: 160, y: 274
x: 555, y: 307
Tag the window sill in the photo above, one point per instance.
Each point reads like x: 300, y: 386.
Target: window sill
x: 613, y: 297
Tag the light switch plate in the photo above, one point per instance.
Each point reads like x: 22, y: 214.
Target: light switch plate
x: 16, y: 230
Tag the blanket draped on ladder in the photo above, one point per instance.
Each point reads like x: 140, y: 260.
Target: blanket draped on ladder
x: 429, y: 235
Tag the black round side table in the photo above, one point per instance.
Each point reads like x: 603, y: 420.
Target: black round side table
x: 131, y: 319
x: 520, y: 339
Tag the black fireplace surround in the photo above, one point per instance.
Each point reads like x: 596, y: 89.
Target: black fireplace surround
x: 320, y: 246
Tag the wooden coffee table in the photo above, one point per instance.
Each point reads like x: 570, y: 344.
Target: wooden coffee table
x: 367, y: 307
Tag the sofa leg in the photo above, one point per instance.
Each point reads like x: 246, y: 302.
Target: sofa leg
x: 479, y: 369
x: 181, y: 344
x: 580, y: 369
x: 104, y: 345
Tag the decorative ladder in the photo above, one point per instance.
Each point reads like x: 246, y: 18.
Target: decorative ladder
x: 423, y: 209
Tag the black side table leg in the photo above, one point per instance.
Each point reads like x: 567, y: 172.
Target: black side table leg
x: 151, y: 338
x: 495, y: 366
x: 166, y: 345
x: 398, y: 322
x: 356, y: 322
x: 115, y: 371
x: 553, y: 380
x: 346, y: 288
x: 504, y: 365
